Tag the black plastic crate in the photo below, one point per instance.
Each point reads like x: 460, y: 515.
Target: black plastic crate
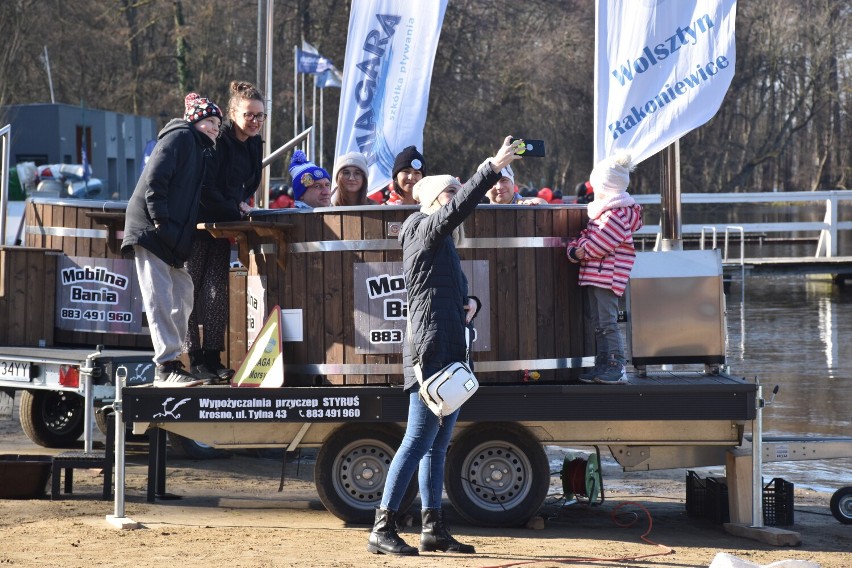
x: 778, y: 503
x: 716, y: 504
x: 696, y: 495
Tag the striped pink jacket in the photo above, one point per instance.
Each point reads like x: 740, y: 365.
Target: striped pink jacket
x: 608, y: 246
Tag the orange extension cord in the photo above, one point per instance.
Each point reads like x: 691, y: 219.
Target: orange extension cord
x: 665, y: 550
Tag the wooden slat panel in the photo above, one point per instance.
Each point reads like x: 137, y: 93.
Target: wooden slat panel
x: 550, y: 342
x: 374, y: 226
x: 352, y: 230
x: 5, y: 292
x: 529, y: 292
x: 336, y: 294
x: 236, y: 337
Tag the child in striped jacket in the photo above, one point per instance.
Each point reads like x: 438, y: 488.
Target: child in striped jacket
x: 604, y: 250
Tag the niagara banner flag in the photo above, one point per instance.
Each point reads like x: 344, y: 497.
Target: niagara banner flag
x: 662, y: 68
x: 386, y: 76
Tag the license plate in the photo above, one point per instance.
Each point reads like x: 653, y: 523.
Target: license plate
x: 14, y: 371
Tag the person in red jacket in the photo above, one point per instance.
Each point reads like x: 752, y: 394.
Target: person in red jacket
x: 605, y: 252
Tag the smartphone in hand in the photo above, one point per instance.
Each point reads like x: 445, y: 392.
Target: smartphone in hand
x: 531, y: 148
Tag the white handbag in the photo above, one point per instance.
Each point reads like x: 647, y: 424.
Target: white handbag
x: 445, y: 391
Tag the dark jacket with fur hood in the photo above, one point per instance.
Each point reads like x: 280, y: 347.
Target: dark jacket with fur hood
x: 168, y: 192
x: 436, y: 285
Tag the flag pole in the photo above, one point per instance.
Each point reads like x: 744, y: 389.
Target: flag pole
x: 314, y: 120
x: 83, y: 153
x: 267, y: 125
x: 295, y: 91
x: 322, y: 91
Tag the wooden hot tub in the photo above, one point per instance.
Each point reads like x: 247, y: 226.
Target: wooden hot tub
x: 337, y: 273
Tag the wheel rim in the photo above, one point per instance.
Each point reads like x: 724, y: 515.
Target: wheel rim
x: 498, y: 476
x: 845, y: 506
x: 360, y: 471
x: 60, y: 413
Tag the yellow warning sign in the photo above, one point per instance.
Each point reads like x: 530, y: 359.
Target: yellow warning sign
x: 264, y: 363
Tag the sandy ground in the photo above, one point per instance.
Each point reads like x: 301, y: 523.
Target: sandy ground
x: 231, y: 514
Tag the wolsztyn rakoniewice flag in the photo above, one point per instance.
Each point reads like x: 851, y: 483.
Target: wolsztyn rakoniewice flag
x: 662, y: 68
x: 386, y: 76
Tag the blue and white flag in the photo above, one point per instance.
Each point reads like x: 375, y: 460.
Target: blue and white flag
x: 329, y: 78
x: 312, y: 62
x: 662, y: 68
x: 87, y: 167
x: 386, y: 78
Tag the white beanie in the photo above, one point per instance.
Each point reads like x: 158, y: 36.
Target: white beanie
x: 427, y: 190
x: 504, y: 173
x: 355, y: 159
x: 611, y: 175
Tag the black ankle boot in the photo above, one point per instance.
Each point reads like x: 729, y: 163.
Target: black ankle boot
x: 384, y: 539
x: 214, y: 364
x: 435, y: 536
x: 198, y: 368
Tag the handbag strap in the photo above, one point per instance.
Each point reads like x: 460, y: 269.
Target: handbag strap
x: 415, y: 358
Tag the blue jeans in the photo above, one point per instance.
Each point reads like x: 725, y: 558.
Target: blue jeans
x: 424, y: 447
x: 603, y: 310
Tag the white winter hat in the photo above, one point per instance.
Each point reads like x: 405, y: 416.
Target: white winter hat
x: 504, y: 173
x: 427, y: 190
x: 611, y: 175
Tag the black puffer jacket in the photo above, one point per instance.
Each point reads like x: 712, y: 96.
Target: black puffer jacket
x: 436, y: 285
x: 168, y: 191
x: 234, y: 177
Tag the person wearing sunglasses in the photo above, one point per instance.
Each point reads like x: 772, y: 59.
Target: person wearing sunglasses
x: 228, y: 187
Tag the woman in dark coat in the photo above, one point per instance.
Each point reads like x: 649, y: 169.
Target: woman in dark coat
x: 439, y: 309
x: 232, y: 181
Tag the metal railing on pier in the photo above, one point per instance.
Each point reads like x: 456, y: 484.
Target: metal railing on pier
x: 828, y: 229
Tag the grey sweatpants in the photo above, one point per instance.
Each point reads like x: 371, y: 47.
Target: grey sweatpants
x: 167, y: 296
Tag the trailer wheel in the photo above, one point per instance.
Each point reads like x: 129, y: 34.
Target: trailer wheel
x: 841, y: 505
x: 183, y: 447
x: 497, y: 475
x: 351, y: 470
x: 52, y: 419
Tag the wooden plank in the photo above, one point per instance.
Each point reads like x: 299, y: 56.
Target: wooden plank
x: 530, y: 286
x: 236, y: 338
x: 374, y: 227
x: 335, y: 293
x: 351, y: 230
x: 5, y: 292
x: 18, y: 299
x: 550, y: 342
x: 481, y: 225
x: 506, y: 300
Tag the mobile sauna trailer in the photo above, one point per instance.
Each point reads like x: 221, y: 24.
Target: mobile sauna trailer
x: 336, y: 275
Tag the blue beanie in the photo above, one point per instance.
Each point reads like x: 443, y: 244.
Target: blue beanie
x: 304, y: 173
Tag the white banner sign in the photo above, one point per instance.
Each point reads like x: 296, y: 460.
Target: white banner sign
x: 386, y: 76
x: 662, y: 68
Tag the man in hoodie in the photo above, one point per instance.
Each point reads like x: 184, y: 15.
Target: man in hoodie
x: 160, y: 221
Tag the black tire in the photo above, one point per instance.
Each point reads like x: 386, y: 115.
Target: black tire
x: 351, y: 470
x: 841, y: 505
x: 52, y: 419
x: 183, y: 447
x: 497, y: 475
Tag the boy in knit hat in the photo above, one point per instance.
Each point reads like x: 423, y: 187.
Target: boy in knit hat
x: 311, y: 183
x: 159, y: 226
x: 605, y: 253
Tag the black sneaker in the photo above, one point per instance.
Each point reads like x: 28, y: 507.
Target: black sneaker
x: 171, y: 374
x: 204, y: 372
x: 213, y: 364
